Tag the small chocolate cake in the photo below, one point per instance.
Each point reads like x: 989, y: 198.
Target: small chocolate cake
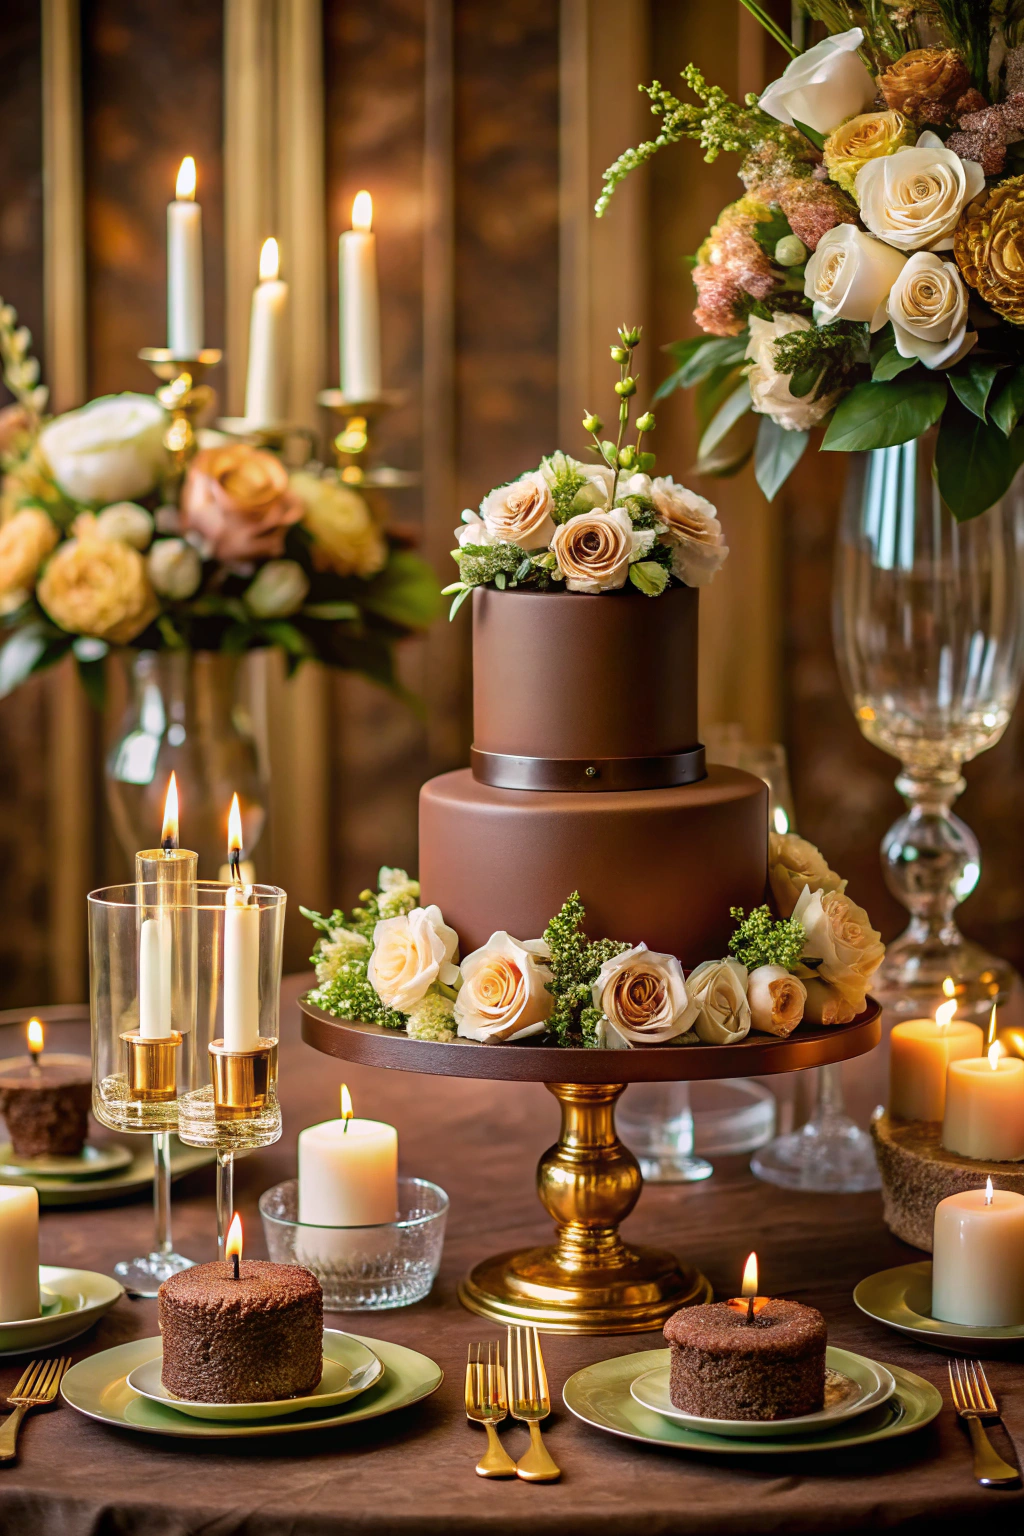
x: 724, y: 1367
x: 251, y: 1340
x: 46, y: 1107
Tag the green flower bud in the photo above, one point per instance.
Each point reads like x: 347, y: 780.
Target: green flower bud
x: 592, y: 423
x: 619, y: 354
x: 625, y: 387
x: 790, y: 251
x: 631, y: 338
x: 645, y: 423
x: 627, y: 457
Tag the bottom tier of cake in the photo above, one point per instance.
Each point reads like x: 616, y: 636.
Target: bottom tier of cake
x: 659, y: 865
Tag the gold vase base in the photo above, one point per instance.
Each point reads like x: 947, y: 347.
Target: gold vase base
x: 533, y: 1287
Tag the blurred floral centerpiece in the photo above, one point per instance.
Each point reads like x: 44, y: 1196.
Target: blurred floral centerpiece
x: 871, y: 277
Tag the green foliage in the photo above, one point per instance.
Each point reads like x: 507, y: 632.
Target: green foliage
x: 1008, y: 404
x: 975, y: 463
x: 972, y: 381
x: 968, y: 25
x: 342, y: 953
x: 649, y: 577
x: 761, y: 939
x: 575, y: 962
x: 481, y: 563
x: 882, y: 415
x: 776, y: 454
x: 566, y: 479
x: 819, y: 360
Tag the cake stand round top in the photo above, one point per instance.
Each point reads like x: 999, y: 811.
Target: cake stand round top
x: 755, y: 1056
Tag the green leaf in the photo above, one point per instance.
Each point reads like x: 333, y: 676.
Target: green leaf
x: 737, y: 404
x: 610, y: 453
x: 29, y: 650
x: 645, y: 463
x: 709, y: 352
x: 972, y: 380
x: 457, y: 604
x: 816, y: 138
x: 975, y: 463
x: 882, y: 415
x: 1008, y: 405
x: 406, y: 591
x: 803, y: 380
x: 93, y: 677
x: 333, y: 612
x: 292, y: 641
x: 776, y: 455
x: 499, y: 580
x: 890, y: 365
x: 648, y: 577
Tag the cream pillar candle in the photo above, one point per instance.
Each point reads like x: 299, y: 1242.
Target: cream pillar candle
x: 266, y: 384
x: 920, y: 1052
x: 978, y: 1258
x: 348, y: 1173
x: 984, y: 1115
x: 19, y: 1253
x: 242, y: 970
x: 359, y: 305
x: 155, y: 980
x: 185, y: 266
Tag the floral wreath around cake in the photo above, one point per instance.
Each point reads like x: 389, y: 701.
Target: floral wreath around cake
x: 395, y: 963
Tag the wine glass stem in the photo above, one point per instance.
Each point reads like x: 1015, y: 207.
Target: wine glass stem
x: 162, y: 1192
x: 831, y: 1103
x: 225, y: 1197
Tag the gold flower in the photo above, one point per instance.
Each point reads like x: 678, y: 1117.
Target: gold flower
x: 925, y: 84
x: 346, y: 539
x: 989, y: 247
x: 98, y: 587
x: 869, y: 136
x: 25, y: 541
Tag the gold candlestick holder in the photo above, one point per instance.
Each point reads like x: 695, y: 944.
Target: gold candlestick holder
x: 276, y: 437
x: 187, y: 399
x: 152, y: 1067
x: 353, y: 444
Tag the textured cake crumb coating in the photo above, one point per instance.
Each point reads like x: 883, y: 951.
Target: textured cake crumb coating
x: 723, y: 1367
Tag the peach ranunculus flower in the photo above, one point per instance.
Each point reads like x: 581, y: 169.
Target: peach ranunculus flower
x: 98, y: 587
x: 504, y: 994
x: 777, y: 1000
x: 846, y: 950
x: 25, y: 541
x: 793, y: 863
x: 346, y: 537
x: 238, y: 500
x: 520, y: 513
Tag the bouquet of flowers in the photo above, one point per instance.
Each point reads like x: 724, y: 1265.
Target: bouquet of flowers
x: 99, y: 547
x: 871, y: 278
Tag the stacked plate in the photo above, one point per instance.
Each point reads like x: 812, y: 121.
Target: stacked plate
x: 70, y: 1301
x: 864, y: 1401
x: 100, y: 1173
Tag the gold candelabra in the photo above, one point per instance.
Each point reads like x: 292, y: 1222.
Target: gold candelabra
x: 186, y: 398
x: 353, y: 443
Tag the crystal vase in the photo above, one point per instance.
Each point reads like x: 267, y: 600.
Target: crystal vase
x: 186, y: 715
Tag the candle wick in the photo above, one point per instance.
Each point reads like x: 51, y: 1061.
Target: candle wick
x: 234, y: 862
x: 234, y: 1266
x: 344, y: 1125
x: 750, y: 1309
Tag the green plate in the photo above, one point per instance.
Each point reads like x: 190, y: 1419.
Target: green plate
x: 72, y: 1300
x: 98, y: 1387
x: 600, y: 1395
x: 901, y: 1298
x: 91, y: 1163
x: 120, y: 1182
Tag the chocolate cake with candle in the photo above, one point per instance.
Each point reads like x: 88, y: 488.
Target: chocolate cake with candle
x: 734, y: 1360
x: 256, y: 1339
x: 45, y: 1104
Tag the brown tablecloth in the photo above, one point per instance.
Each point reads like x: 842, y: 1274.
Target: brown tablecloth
x: 413, y: 1472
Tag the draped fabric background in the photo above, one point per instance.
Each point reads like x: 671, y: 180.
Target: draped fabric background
x: 481, y: 131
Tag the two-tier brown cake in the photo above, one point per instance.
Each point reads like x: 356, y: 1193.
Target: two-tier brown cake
x: 587, y: 774
x: 726, y: 1364
x: 256, y: 1339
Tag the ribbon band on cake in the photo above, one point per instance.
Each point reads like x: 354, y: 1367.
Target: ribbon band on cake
x: 601, y: 774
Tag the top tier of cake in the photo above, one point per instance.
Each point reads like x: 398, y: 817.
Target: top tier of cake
x: 575, y: 692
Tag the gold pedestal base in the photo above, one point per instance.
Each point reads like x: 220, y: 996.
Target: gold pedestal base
x: 589, y: 1281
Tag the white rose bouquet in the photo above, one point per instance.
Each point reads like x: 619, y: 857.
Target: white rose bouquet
x: 871, y: 278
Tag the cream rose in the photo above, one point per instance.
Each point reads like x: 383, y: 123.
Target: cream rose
x: 410, y: 953
x: 719, y: 989
x: 823, y: 86
x: 594, y: 550
x: 473, y: 530
x: 690, y: 525
x: 928, y: 309
x: 839, y: 935
x: 125, y: 521
x: 25, y: 541
x: 769, y: 389
x: 868, y: 136
x: 914, y: 199
x: 279, y: 588
x: 777, y: 1000
x: 504, y: 993
x: 175, y: 569
x: 643, y: 996
x: 98, y: 587
x: 850, y: 275
x: 824, y: 1005
x: 794, y: 863
x: 110, y: 450
x: 520, y: 513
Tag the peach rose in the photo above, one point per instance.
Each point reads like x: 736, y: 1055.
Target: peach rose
x: 643, y: 996
x: 794, y: 863
x: 777, y: 1000
x: 25, y: 541
x: 594, y: 550
x: 520, y: 513
x: 410, y: 953
x: 841, y: 941
x: 504, y: 994
x: 238, y: 500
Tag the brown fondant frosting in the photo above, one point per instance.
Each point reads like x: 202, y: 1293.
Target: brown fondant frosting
x: 724, y: 1367
x: 46, y: 1109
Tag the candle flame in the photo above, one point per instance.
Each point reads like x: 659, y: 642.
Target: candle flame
x: 992, y: 1025
x: 995, y: 1051
x: 989, y: 1191
x: 185, y: 186
x: 346, y: 1104
x: 234, y: 835
x: 270, y: 261
x: 34, y: 1036
x: 362, y: 212
x: 169, y: 830
x: 749, y: 1286
x: 234, y: 1241
x: 949, y: 987
x: 944, y: 1013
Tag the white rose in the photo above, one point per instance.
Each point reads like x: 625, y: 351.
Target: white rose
x: 719, y: 988
x: 174, y: 568
x: 473, y: 530
x: 594, y: 550
x: 125, y: 521
x: 636, y: 485
x: 824, y: 86
x: 840, y: 937
x: 850, y: 275
x: 769, y: 389
x: 410, y: 953
x: 928, y: 310
x: 520, y: 513
x: 277, y: 589
x: 642, y: 994
x: 913, y: 199
x: 689, y: 524
x: 504, y: 994
x: 110, y: 450
x: 777, y: 1000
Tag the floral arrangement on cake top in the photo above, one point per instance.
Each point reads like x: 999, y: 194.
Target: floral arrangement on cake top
x: 395, y: 963
x: 100, y: 545
x: 581, y: 527
x: 871, y: 277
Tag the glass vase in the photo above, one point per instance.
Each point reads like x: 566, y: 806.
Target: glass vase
x: 929, y: 635
x: 185, y: 715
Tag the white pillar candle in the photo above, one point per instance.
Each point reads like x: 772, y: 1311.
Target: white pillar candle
x: 978, y: 1258
x: 19, y: 1253
x: 920, y: 1053
x: 266, y: 384
x: 185, y: 266
x: 359, y: 305
x: 242, y: 970
x: 348, y: 1178
x: 155, y: 979
x: 985, y: 1107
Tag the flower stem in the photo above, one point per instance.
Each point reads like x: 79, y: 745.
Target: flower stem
x: 771, y: 27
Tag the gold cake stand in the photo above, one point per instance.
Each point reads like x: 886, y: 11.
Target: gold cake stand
x: 589, y: 1280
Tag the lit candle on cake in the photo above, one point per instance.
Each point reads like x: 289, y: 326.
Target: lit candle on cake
x: 19, y: 1253
x: 748, y: 1301
x: 241, y: 950
x: 45, y: 1100
x: 266, y: 385
x: 185, y: 266
x: 985, y: 1107
x: 348, y: 1171
x: 920, y: 1053
x: 359, y: 305
x: 978, y: 1258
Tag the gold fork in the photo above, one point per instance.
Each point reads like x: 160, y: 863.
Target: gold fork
x: 487, y: 1404
x: 530, y: 1402
x: 973, y: 1400
x: 38, y: 1386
